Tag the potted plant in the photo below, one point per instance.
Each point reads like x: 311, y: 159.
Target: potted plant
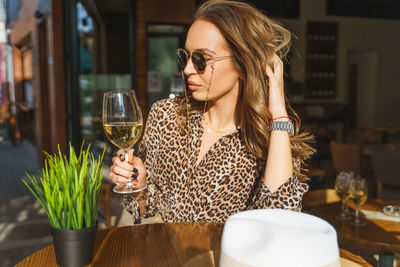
x: 68, y: 191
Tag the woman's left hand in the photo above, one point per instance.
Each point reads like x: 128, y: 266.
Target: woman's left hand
x: 276, y: 103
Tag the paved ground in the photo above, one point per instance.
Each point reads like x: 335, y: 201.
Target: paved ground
x: 23, y: 224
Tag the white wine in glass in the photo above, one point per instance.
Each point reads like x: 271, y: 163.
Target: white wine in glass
x: 123, y: 134
x: 123, y: 123
x: 358, y: 194
x: 342, y: 187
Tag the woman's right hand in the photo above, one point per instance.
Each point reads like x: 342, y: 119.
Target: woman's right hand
x: 122, y: 171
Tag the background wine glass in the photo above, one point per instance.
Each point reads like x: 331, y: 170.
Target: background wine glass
x: 358, y: 194
x: 123, y: 123
x: 342, y: 187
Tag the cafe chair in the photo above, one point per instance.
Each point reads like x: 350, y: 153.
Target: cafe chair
x: 346, y: 157
x: 319, y: 197
x: 105, y: 200
x: 386, y: 168
x: 106, y: 194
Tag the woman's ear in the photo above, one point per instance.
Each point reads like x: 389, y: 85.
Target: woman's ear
x: 240, y: 75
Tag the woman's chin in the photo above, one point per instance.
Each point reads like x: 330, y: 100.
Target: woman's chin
x: 199, y: 96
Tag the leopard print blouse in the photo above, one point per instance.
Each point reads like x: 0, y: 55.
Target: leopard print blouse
x: 227, y: 180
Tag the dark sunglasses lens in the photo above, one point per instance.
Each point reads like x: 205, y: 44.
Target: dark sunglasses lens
x: 182, y: 57
x: 199, y: 61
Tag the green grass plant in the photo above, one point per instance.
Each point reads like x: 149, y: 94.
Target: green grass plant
x: 70, y: 188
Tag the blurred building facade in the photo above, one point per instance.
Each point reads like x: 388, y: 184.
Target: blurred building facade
x: 36, y: 38
x: 66, y: 54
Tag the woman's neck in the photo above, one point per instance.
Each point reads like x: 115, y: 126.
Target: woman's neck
x: 222, y: 116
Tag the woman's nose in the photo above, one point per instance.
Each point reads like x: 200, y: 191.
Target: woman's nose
x: 189, y: 68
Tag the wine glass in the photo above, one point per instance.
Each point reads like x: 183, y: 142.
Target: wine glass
x: 342, y: 187
x: 358, y: 194
x: 123, y: 123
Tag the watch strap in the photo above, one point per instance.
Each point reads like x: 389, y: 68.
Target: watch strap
x: 286, y: 126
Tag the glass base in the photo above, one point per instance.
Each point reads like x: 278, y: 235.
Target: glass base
x: 349, y: 212
x: 126, y: 189
x: 358, y: 222
x: 343, y: 216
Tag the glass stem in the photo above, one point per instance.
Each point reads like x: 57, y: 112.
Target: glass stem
x: 343, y: 205
x: 126, y: 155
x: 357, y: 218
x: 130, y: 182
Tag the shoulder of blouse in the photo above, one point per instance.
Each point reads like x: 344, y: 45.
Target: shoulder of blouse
x: 164, y: 105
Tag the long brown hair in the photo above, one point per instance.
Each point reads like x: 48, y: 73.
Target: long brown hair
x: 253, y: 39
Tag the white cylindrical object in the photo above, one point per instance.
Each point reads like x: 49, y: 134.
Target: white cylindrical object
x: 278, y: 237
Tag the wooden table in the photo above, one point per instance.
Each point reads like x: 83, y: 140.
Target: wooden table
x: 378, y: 235
x: 167, y: 244
x: 385, y: 131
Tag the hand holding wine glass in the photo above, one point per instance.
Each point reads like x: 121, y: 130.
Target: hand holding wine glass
x: 123, y: 123
x: 122, y: 170
x: 358, y: 194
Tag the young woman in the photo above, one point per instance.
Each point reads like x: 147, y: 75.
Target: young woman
x: 232, y: 143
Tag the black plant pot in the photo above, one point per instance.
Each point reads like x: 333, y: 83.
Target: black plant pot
x: 73, y: 248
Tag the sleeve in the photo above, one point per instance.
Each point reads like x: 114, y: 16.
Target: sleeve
x: 148, y: 153
x: 288, y: 196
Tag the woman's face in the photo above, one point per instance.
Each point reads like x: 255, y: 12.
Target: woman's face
x: 203, y: 36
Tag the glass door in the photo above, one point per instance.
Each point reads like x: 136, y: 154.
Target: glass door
x: 164, y: 78
x: 104, y: 59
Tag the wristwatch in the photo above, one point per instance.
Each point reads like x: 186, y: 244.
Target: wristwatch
x: 286, y: 126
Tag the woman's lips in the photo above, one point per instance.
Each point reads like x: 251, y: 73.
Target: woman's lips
x: 194, y: 86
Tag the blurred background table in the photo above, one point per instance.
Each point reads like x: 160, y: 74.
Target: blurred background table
x: 166, y: 244
x: 382, y: 236
x: 385, y: 131
x: 367, y: 149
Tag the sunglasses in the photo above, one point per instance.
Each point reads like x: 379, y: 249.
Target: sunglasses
x: 199, y: 59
